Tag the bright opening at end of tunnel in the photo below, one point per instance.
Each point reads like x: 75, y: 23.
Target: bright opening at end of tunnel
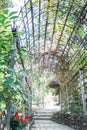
x: 50, y: 102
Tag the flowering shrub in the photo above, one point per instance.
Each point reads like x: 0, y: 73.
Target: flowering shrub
x: 19, y: 122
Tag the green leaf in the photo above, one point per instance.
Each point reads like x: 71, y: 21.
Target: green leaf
x: 2, y: 63
x: 5, y: 11
x: 12, y: 13
x: 9, y: 82
x: 1, y: 89
x: 2, y: 18
x: 5, y: 95
x: 2, y: 31
x: 13, y: 17
x: 23, y: 101
x: 11, y: 70
x: 6, y: 58
x: 1, y: 80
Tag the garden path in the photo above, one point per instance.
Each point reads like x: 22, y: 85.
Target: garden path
x: 48, y: 125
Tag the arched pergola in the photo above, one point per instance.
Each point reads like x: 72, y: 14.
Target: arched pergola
x: 54, y: 34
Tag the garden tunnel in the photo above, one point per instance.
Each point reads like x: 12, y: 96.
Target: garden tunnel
x: 50, y: 38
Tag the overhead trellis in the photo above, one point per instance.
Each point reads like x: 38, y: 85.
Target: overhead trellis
x: 55, y: 34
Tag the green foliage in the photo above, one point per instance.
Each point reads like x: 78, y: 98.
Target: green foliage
x: 76, y: 106
x: 10, y: 79
x: 5, y: 3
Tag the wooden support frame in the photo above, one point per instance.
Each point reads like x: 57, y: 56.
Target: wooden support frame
x: 82, y: 91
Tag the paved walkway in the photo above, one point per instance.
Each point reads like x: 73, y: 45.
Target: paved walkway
x: 48, y: 125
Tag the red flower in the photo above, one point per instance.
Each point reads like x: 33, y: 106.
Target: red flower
x: 25, y: 119
x: 16, y: 115
x: 28, y: 117
x: 22, y: 120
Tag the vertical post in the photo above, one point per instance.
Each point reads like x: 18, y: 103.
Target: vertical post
x: 11, y: 65
x: 67, y: 97
x: 29, y: 97
x: 8, y: 106
x: 24, y: 87
x: 60, y: 99
x: 30, y: 102
x: 82, y: 91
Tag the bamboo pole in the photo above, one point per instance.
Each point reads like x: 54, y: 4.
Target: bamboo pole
x: 82, y: 91
x: 11, y: 65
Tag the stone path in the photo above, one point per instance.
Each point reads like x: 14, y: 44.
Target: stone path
x: 48, y: 125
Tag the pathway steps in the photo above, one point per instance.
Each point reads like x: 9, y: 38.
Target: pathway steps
x: 42, y: 121
x: 48, y: 125
x: 44, y: 114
